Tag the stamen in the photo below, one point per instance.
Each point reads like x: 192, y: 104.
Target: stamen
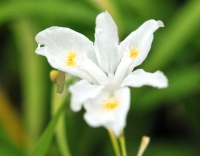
x: 71, y: 59
x: 133, y: 53
x: 110, y: 104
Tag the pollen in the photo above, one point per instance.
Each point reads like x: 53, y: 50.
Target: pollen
x: 110, y: 104
x: 133, y: 53
x: 71, y: 59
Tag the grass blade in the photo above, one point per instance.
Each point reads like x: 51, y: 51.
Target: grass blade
x: 45, y: 140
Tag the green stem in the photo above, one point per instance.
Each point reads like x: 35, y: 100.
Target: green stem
x: 61, y: 137
x: 123, y: 144
x: 46, y: 138
x: 114, y: 143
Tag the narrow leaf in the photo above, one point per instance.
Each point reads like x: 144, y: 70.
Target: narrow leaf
x: 45, y: 140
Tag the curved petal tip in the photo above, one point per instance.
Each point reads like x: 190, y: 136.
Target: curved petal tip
x: 160, y: 23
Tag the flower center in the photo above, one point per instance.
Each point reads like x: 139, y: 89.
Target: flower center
x: 133, y: 53
x: 71, y: 59
x: 110, y: 104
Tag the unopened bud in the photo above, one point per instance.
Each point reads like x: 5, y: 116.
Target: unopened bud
x: 143, y: 145
x: 53, y: 75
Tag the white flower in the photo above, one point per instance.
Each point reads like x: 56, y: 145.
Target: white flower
x: 105, y: 67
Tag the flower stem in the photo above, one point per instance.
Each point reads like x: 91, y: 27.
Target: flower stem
x: 123, y: 145
x: 114, y: 143
x: 61, y: 136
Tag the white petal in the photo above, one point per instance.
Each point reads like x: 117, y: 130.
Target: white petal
x: 123, y: 69
x: 141, y: 40
x: 112, y: 118
x: 82, y: 91
x: 106, y: 43
x: 140, y: 78
x: 56, y: 43
x: 94, y: 70
x: 137, y: 45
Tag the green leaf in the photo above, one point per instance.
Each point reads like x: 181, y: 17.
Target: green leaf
x: 45, y: 140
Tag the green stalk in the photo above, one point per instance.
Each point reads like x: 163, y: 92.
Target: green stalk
x: 114, y: 143
x: 47, y: 137
x: 57, y: 100
x: 123, y: 144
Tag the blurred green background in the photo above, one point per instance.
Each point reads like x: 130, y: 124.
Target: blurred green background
x: 171, y: 117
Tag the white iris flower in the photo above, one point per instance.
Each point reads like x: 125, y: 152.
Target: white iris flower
x: 105, y: 68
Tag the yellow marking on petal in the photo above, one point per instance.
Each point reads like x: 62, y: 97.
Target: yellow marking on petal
x: 110, y: 104
x: 71, y: 59
x: 133, y: 53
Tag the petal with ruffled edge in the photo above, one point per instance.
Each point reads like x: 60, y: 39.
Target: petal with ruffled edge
x: 108, y: 110
x: 139, y: 78
x: 134, y: 49
x: 66, y: 49
x: 81, y: 92
x: 106, y: 43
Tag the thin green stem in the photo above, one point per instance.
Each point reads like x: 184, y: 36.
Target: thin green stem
x: 114, y: 143
x: 46, y: 138
x: 123, y: 144
x: 61, y: 136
